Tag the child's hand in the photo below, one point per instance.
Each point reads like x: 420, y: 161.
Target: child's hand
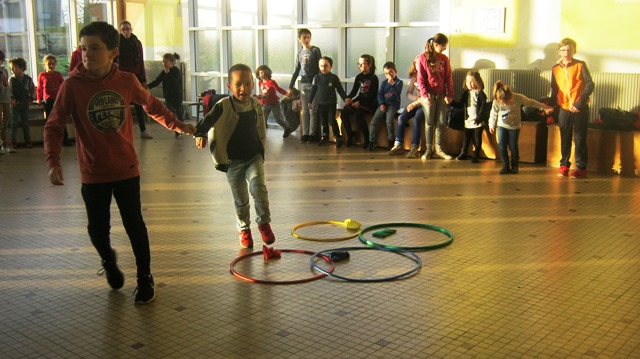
x: 201, y: 142
x: 383, y: 108
x: 189, y: 129
x: 310, y: 105
x: 55, y: 176
x: 356, y: 104
x: 448, y: 100
x: 13, y: 103
x: 411, y: 106
x: 426, y: 100
x: 492, y: 130
x: 348, y: 101
x: 547, y: 110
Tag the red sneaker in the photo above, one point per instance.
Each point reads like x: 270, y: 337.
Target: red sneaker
x: 267, y: 234
x: 563, y: 171
x: 246, y: 241
x: 578, y: 173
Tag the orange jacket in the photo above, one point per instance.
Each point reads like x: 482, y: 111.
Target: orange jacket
x: 571, y: 84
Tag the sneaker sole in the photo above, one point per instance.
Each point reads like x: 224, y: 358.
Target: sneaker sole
x: 140, y: 302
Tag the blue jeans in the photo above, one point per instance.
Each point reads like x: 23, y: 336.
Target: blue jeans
x: 389, y: 116
x: 20, y: 118
x: 97, y: 200
x: 403, y: 121
x: 247, y: 176
x: 509, y: 138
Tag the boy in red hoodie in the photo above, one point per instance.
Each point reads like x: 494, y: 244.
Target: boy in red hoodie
x: 98, y: 96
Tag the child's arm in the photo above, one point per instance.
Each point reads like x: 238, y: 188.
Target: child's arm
x: 205, y: 124
x: 397, y: 89
x: 278, y: 88
x: 158, y: 80
x: 525, y: 101
x: 40, y: 88
x: 314, y: 91
x: 338, y: 86
x: 493, y: 120
x: 156, y: 109
x: 380, y: 97
x: 448, y: 78
x: 588, y: 89
x: 53, y: 133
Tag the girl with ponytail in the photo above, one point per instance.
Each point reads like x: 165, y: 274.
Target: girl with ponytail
x: 505, y: 114
x: 436, y: 91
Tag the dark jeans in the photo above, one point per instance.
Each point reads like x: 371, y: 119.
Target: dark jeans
x: 360, y: 114
x: 48, y: 107
x: 141, y: 116
x: 97, y: 200
x: 574, y: 126
x: 509, y: 138
x: 472, y: 135
x: 20, y: 119
x: 327, y: 114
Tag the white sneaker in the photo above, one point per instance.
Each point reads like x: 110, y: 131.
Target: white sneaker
x: 443, y: 155
x: 145, y: 135
x: 413, y: 153
x: 426, y: 156
x: 395, y: 150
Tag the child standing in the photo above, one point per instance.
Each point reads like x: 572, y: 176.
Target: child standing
x: 269, y: 97
x: 505, y: 112
x: 413, y: 110
x: 98, y: 95
x: 49, y: 82
x: 238, y: 143
x: 5, y: 104
x: 571, y: 86
x: 23, y: 93
x: 388, y: 105
x: 307, y: 67
x: 325, y: 84
x: 476, y: 109
x: 171, y: 79
x: 365, y: 87
x: 436, y: 89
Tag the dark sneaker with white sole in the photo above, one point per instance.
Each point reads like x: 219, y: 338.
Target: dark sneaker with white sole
x: 145, y: 291
x: 115, y: 277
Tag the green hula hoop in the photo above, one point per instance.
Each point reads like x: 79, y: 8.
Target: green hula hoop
x: 429, y: 227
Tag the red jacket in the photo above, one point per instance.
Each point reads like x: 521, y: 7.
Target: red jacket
x: 76, y: 59
x: 101, y: 114
x: 436, y: 78
x: 268, y: 90
x: 48, y: 85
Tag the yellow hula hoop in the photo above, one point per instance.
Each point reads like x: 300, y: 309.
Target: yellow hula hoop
x: 347, y: 224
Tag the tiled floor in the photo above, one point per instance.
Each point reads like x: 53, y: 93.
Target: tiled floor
x: 540, y: 267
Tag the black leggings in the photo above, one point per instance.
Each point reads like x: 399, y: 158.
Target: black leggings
x: 97, y: 200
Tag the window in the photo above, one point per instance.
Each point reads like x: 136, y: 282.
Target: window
x: 52, y: 33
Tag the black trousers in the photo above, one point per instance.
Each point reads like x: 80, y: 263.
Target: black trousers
x: 573, y: 126
x: 97, y: 200
x: 472, y: 135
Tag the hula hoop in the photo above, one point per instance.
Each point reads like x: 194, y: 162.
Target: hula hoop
x: 404, y: 253
x: 346, y: 224
x: 246, y: 278
x: 371, y: 243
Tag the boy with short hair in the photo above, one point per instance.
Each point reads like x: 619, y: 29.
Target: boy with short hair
x: 571, y: 86
x: 23, y: 93
x: 97, y: 96
x: 325, y: 84
x: 238, y: 143
x: 307, y: 67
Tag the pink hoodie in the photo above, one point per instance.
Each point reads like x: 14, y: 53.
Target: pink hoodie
x: 101, y: 114
x: 437, y: 78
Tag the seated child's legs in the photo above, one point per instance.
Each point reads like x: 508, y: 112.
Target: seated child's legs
x: 390, y: 118
x: 418, y: 120
x: 375, y: 121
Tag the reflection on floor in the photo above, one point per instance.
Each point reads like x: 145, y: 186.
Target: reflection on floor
x: 540, y: 266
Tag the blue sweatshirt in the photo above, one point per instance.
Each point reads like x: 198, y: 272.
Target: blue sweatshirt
x: 389, y: 95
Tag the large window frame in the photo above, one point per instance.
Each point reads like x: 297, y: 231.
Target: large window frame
x: 335, y: 20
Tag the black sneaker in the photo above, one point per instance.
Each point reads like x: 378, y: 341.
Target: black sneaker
x: 514, y: 170
x: 338, y: 142
x: 371, y: 146
x: 504, y: 170
x: 145, y: 292
x: 323, y: 141
x: 115, y: 278
x: 286, y: 133
x: 312, y: 139
x: 304, y: 138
